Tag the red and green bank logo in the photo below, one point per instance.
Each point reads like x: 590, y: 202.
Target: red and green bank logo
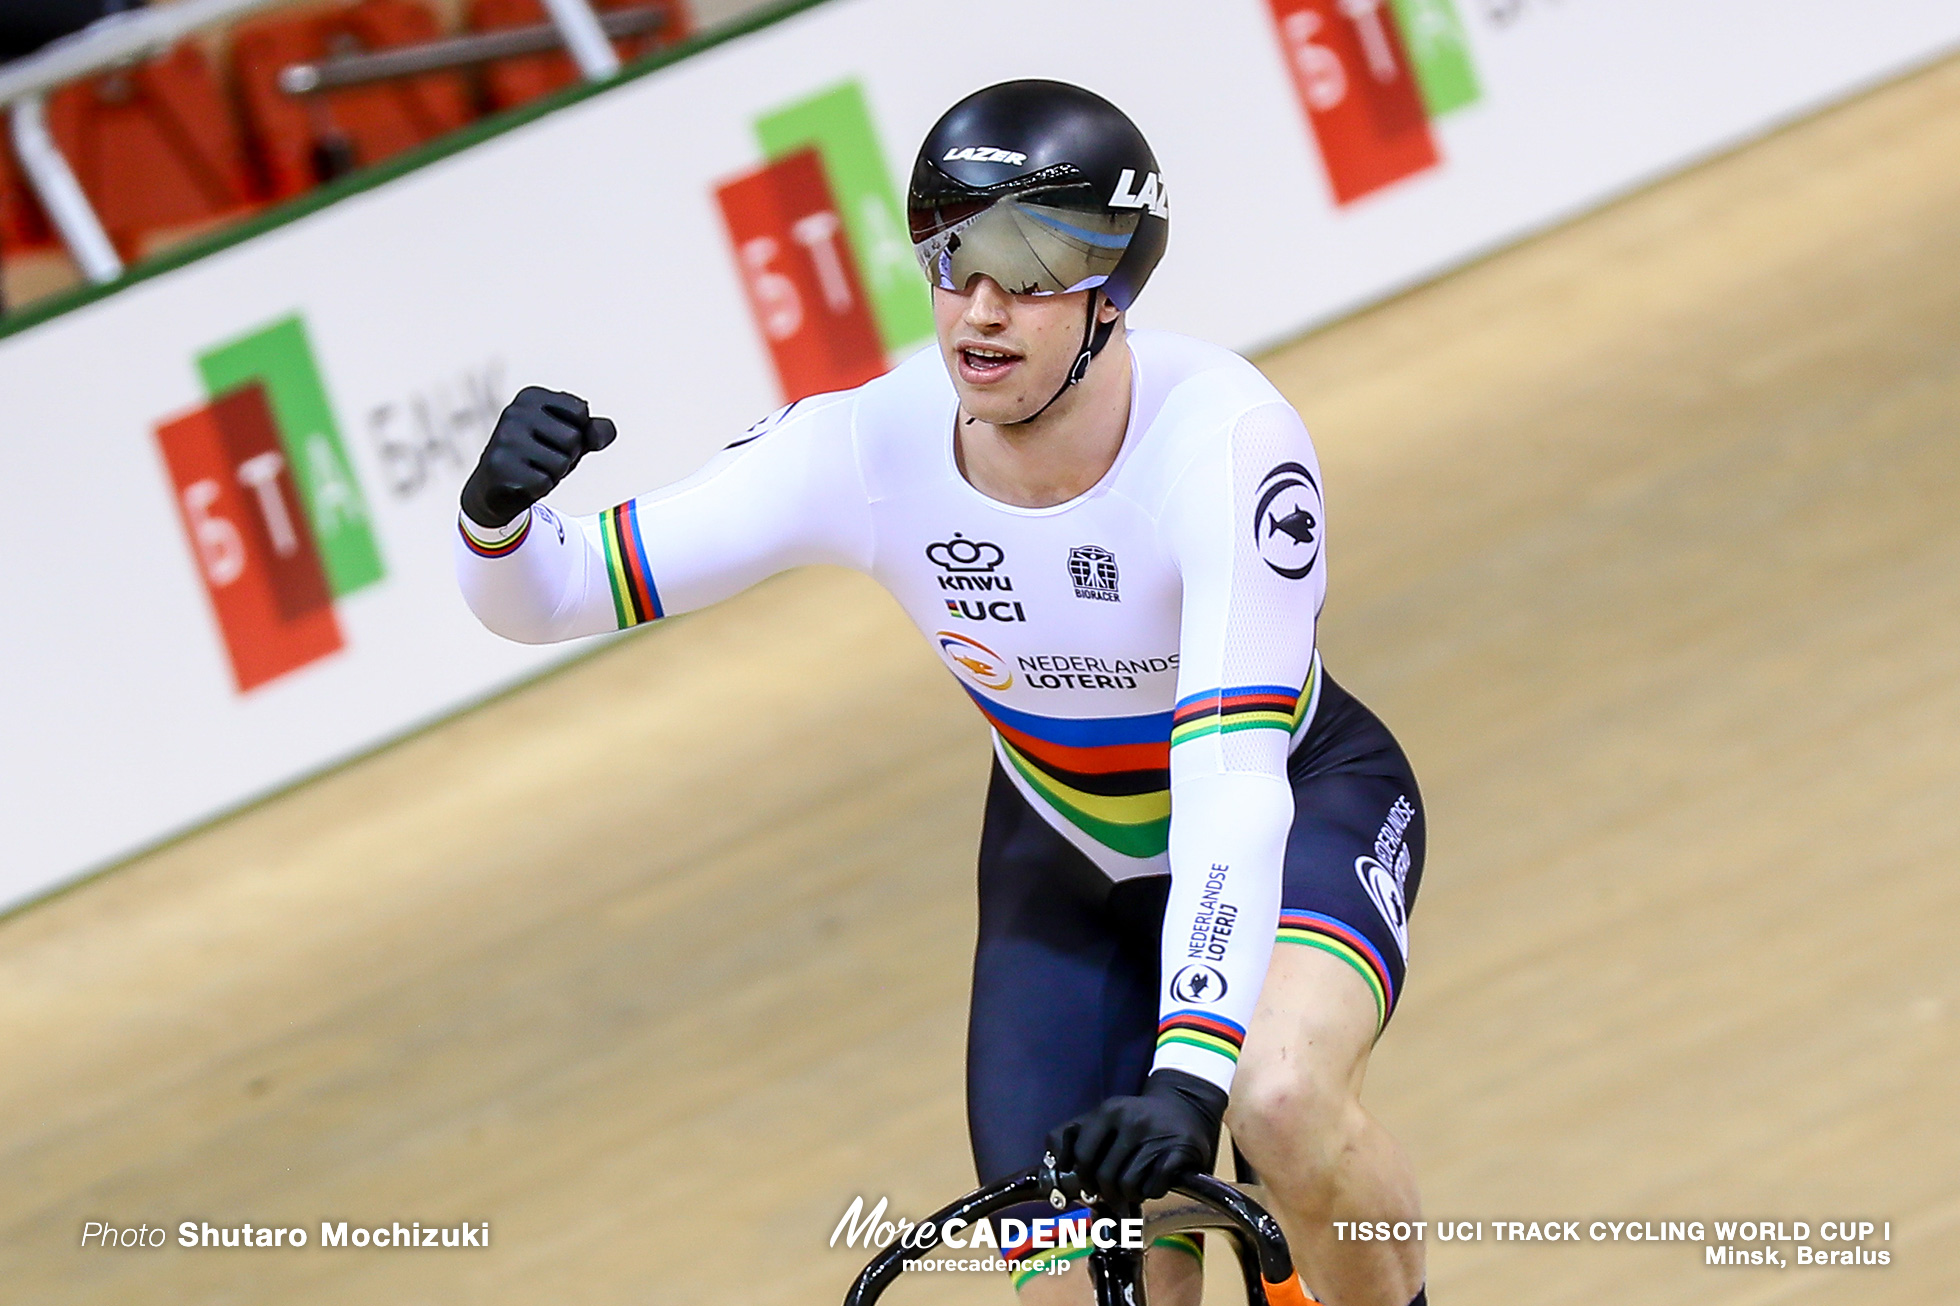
x: 1371, y: 75
x: 819, y: 237
x: 269, y: 503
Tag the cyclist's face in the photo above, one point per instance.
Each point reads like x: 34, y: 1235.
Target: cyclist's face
x: 1007, y: 354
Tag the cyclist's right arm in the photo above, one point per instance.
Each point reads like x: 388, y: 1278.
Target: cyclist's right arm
x: 785, y: 495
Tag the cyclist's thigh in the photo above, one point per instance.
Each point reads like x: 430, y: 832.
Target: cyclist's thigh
x: 1064, y: 1010
x: 1354, y: 859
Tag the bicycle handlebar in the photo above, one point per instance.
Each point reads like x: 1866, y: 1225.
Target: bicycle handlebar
x: 1260, y: 1229
x: 978, y: 1204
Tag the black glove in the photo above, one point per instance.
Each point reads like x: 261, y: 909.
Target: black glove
x: 1132, y: 1148
x: 539, y: 439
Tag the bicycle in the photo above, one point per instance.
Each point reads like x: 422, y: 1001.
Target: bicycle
x: 1116, y: 1272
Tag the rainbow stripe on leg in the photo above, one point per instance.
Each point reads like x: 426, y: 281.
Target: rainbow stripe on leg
x: 1315, y: 930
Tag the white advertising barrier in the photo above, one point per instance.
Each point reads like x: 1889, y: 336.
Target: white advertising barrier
x: 230, y: 562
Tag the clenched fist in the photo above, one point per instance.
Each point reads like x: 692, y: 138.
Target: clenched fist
x: 539, y: 439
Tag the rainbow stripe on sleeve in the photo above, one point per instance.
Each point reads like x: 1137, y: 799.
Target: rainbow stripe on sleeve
x: 494, y: 548
x: 635, y: 599
x: 1240, y: 707
x: 1315, y: 930
x: 1109, y: 776
x: 1202, y: 1029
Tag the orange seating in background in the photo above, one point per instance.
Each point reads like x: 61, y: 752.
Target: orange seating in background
x: 303, y: 140
x: 161, y: 151
x: 511, y: 82
x: 22, y: 224
x: 154, y: 147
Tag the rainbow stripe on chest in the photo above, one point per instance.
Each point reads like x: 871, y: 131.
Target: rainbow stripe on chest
x: 1110, y: 776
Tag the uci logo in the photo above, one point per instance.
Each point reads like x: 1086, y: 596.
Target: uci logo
x: 983, y: 610
x: 985, y: 154
x: 1151, y: 195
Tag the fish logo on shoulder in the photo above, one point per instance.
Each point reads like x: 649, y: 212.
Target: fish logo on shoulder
x: 975, y: 660
x: 1286, y: 521
x: 960, y: 554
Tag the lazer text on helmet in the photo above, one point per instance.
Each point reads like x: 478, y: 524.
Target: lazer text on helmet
x: 986, y: 154
x: 1151, y: 195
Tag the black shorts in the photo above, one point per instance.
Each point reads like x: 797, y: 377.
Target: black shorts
x: 1065, y: 971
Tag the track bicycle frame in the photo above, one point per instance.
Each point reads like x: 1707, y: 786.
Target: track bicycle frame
x: 1116, y: 1273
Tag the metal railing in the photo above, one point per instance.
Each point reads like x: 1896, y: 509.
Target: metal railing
x: 454, y: 52
x: 133, y: 36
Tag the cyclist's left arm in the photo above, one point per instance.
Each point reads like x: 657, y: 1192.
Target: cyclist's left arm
x: 1244, y: 522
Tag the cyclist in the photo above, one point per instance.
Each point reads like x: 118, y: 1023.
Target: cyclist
x: 1116, y: 541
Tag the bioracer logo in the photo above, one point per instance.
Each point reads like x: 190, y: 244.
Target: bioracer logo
x: 1093, y: 569
x: 985, y: 154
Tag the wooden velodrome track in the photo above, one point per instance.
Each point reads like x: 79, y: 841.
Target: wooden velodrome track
x: 1646, y: 539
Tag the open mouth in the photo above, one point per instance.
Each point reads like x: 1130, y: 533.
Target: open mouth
x: 981, y: 364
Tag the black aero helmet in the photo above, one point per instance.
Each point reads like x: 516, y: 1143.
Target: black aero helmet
x: 1043, y: 186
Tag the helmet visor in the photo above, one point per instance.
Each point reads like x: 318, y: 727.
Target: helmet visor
x: 1027, y: 247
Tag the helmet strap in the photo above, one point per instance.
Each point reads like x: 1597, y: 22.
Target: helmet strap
x: 1094, y: 336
